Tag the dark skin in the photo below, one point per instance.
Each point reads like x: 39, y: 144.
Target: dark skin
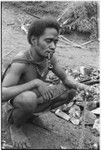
x: 22, y: 77
x: 47, y: 41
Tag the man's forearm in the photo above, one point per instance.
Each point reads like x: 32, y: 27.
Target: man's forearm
x: 10, y: 92
x: 72, y: 83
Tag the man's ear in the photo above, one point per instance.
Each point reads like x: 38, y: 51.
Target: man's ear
x: 33, y: 39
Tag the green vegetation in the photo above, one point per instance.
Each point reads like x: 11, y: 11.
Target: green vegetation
x: 80, y: 16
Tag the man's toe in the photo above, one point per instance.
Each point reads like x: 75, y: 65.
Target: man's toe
x: 16, y: 144
x: 20, y: 145
x: 24, y: 145
x: 28, y: 144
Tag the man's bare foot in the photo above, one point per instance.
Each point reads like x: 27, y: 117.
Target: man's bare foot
x: 18, y: 138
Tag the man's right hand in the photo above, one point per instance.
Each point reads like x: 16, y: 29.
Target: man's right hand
x: 45, y: 91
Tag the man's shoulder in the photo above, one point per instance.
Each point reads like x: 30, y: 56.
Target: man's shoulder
x: 21, y: 57
x: 19, y: 60
x: 18, y: 66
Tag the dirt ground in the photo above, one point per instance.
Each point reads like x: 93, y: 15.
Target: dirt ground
x: 49, y: 131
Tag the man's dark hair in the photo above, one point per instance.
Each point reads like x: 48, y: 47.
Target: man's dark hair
x: 38, y: 27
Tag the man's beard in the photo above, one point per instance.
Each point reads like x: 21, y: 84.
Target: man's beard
x: 40, y: 54
x: 39, y: 49
x: 46, y: 55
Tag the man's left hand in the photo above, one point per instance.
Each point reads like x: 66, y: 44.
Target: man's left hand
x: 84, y: 87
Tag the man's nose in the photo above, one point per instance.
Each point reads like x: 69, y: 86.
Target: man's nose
x: 52, y: 46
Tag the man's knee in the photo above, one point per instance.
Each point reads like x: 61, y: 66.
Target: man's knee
x: 26, y: 100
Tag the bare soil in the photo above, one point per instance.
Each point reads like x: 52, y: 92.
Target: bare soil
x: 50, y: 131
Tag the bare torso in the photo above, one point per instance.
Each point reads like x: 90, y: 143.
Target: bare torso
x: 32, y: 71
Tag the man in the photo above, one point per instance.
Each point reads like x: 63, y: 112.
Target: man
x: 24, y: 88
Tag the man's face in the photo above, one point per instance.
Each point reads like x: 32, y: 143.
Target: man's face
x: 47, y: 43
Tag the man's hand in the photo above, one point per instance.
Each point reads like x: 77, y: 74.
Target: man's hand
x: 45, y: 90
x: 84, y: 87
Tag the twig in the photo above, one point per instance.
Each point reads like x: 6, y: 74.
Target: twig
x: 62, y: 14
x: 65, y: 21
x: 72, y: 43
x: 23, y: 27
x: 32, y: 14
x: 8, y: 53
x: 92, y: 82
x: 69, y: 43
x: 85, y: 80
x: 64, y: 41
x: 87, y: 42
x: 60, y: 45
x: 10, y: 24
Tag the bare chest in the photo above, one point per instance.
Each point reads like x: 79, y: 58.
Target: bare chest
x: 34, y: 71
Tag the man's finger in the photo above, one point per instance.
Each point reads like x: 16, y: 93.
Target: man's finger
x: 20, y: 145
x: 27, y: 144
x: 24, y: 145
x: 50, y: 93
x: 16, y: 145
x: 13, y: 143
x: 44, y: 97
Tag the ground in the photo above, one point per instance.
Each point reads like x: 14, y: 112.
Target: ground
x: 48, y: 131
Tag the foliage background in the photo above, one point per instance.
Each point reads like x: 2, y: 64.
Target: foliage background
x: 80, y: 16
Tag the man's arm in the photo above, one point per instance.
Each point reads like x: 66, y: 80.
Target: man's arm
x: 67, y: 80
x: 10, y: 88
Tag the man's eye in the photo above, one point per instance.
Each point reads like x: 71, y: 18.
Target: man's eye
x: 55, y: 41
x: 48, y: 41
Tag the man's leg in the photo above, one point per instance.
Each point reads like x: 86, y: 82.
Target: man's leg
x: 64, y: 98
x: 24, y: 106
